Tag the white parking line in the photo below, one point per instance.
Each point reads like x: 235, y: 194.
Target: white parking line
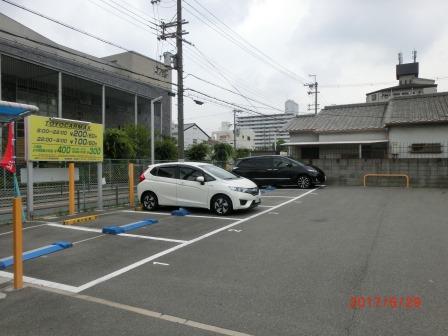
x: 81, y: 228
x: 74, y: 227
x: 175, y: 248
x: 25, y: 228
x: 169, y: 214
x: 152, y: 238
x: 43, y: 283
x: 72, y: 289
x: 160, y: 263
x: 87, y: 239
x: 282, y: 196
x: 265, y: 206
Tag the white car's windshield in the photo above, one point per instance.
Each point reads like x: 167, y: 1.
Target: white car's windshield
x: 219, y: 172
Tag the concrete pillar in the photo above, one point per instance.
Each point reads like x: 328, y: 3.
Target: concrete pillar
x: 135, y: 110
x: 161, y: 118
x: 360, y: 150
x: 29, y: 190
x: 60, y: 94
x: 100, y: 185
x: 103, y: 105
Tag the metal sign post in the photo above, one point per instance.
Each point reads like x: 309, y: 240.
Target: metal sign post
x: 18, y: 242
x: 66, y: 140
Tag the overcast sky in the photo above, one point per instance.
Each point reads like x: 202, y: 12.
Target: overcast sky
x: 343, y: 42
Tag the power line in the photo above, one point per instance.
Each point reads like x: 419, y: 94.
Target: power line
x: 266, y: 58
x: 241, y: 83
x: 236, y: 93
x: 227, y: 80
x: 235, y: 41
x: 232, y: 104
x: 132, y: 14
x: 122, y: 17
x: 65, y: 25
x: 93, y: 59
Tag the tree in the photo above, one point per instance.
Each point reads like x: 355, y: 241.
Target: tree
x: 117, y: 144
x: 198, y: 152
x: 241, y: 152
x: 166, y: 149
x: 222, y: 152
x: 278, y: 145
x: 141, y: 138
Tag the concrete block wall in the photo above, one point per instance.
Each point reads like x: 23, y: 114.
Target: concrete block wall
x: 422, y: 172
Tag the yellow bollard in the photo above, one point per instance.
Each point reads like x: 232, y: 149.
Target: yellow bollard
x: 71, y: 188
x: 131, y: 185
x: 18, y: 242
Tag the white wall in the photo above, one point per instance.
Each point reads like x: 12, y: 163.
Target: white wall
x: 353, y: 136
x: 245, y: 138
x: 401, y: 137
x: 303, y: 137
x: 194, y: 135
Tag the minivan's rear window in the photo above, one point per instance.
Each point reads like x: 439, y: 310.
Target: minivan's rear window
x: 168, y: 172
x: 256, y: 162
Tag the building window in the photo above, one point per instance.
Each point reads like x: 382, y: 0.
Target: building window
x: 195, y: 141
x: 425, y: 148
x: 373, y: 97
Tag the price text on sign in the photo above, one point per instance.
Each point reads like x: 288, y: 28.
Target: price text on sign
x: 62, y: 140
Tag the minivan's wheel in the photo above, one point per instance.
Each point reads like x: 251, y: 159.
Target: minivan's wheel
x: 149, y: 201
x: 304, y: 182
x: 221, y: 205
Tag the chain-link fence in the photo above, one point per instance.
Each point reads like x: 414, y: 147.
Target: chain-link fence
x: 51, y: 189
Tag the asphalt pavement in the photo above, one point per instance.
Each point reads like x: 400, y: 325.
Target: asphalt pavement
x: 290, y: 267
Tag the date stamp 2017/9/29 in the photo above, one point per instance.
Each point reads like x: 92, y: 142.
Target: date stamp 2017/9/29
x: 407, y: 302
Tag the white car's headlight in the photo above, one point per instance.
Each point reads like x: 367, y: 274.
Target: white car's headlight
x: 239, y: 189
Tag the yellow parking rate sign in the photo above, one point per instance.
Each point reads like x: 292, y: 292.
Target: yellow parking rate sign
x: 56, y: 139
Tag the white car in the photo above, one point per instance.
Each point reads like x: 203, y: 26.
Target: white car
x: 193, y: 184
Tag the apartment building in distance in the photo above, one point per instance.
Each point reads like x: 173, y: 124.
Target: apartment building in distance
x: 268, y: 127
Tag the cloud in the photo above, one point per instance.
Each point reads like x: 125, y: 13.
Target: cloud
x: 343, y: 42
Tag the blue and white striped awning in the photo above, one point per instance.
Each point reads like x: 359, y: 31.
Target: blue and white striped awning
x: 12, y: 111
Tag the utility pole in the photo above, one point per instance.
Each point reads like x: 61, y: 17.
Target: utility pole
x: 234, y: 127
x: 312, y: 86
x: 178, y: 65
x: 180, y: 83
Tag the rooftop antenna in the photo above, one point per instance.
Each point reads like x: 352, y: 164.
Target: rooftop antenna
x: 400, y: 58
x: 414, y: 55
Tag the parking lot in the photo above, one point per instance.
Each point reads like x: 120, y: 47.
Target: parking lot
x: 288, y: 267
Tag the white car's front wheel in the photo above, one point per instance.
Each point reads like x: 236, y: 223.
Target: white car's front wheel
x: 221, y: 205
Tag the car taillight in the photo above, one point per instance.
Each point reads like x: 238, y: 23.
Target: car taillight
x: 141, y: 177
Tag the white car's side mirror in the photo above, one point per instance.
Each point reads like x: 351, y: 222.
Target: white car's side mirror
x: 200, y: 179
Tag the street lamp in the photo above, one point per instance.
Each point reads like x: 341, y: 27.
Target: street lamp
x: 152, y: 126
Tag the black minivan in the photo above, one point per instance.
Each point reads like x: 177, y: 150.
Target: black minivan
x: 278, y: 170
